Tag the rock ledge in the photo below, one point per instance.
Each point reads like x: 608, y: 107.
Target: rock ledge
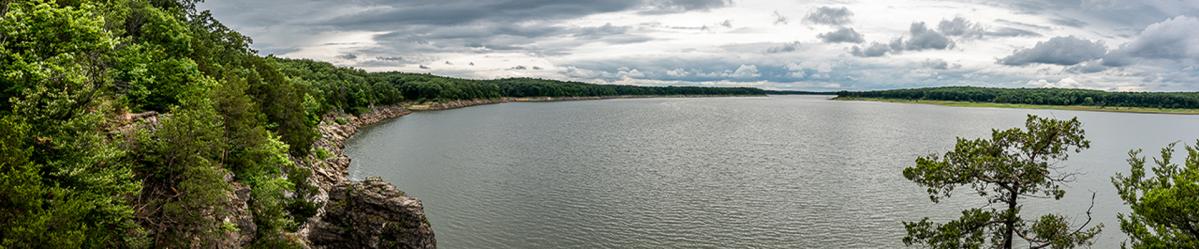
x: 371, y: 214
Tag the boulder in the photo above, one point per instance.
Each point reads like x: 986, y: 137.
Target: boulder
x: 371, y: 214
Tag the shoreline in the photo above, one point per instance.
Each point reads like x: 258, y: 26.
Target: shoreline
x: 338, y: 128
x: 1116, y: 109
x: 446, y: 105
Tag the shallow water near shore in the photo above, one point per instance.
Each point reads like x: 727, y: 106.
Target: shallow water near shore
x: 741, y: 172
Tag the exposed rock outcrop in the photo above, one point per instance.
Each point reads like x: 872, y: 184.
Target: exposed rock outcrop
x: 371, y: 214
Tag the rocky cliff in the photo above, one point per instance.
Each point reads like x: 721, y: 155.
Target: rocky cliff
x: 371, y: 213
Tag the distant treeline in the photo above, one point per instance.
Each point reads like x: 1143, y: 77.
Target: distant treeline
x: 788, y: 92
x: 1038, y: 96
x: 354, y: 89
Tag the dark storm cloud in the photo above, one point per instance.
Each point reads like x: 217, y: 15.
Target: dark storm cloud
x: 830, y: 16
x: 842, y: 34
x: 1062, y: 50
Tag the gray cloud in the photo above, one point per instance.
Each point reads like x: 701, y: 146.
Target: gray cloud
x: 842, y: 34
x: 830, y: 16
x: 936, y: 64
x: 1087, y: 67
x: 674, y: 6
x: 608, y: 33
x: 1172, y: 39
x: 779, y: 18
x: 1066, y: 21
x: 1130, y: 14
x: 1011, y: 32
x: 875, y: 49
x: 1062, y: 50
x: 1023, y: 24
x: 785, y: 48
x: 456, y: 12
x: 922, y: 38
x: 919, y: 37
x: 959, y: 26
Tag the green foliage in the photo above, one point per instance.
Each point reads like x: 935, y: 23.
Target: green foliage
x: 1013, y: 164
x: 1039, y: 96
x: 268, y: 191
x: 322, y: 154
x: 185, y: 182
x: 51, y: 72
x: 1165, y: 204
x: 21, y: 188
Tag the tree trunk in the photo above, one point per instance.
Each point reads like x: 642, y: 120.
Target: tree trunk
x: 1009, y: 223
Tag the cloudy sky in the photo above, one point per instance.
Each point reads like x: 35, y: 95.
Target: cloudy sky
x: 1128, y: 45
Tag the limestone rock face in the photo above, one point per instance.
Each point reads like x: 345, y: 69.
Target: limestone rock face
x: 371, y: 214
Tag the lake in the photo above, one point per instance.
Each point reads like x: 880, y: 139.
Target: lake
x: 744, y: 172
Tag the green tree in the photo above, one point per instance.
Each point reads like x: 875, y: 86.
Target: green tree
x: 1012, y: 165
x: 1165, y: 204
x: 52, y: 72
x: 185, y: 185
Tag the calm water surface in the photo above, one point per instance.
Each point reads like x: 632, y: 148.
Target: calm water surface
x: 753, y: 172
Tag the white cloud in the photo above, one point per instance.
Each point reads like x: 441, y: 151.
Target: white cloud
x: 1062, y: 83
x: 746, y: 71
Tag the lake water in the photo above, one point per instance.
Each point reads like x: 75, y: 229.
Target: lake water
x: 750, y: 172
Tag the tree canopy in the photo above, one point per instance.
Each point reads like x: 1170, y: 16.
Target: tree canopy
x: 1010, y: 166
x: 1164, y: 201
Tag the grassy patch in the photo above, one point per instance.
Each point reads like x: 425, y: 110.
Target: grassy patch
x: 1027, y: 106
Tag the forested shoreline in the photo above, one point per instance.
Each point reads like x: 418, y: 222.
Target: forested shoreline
x: 148, y: 123
x: 1037, y: 96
